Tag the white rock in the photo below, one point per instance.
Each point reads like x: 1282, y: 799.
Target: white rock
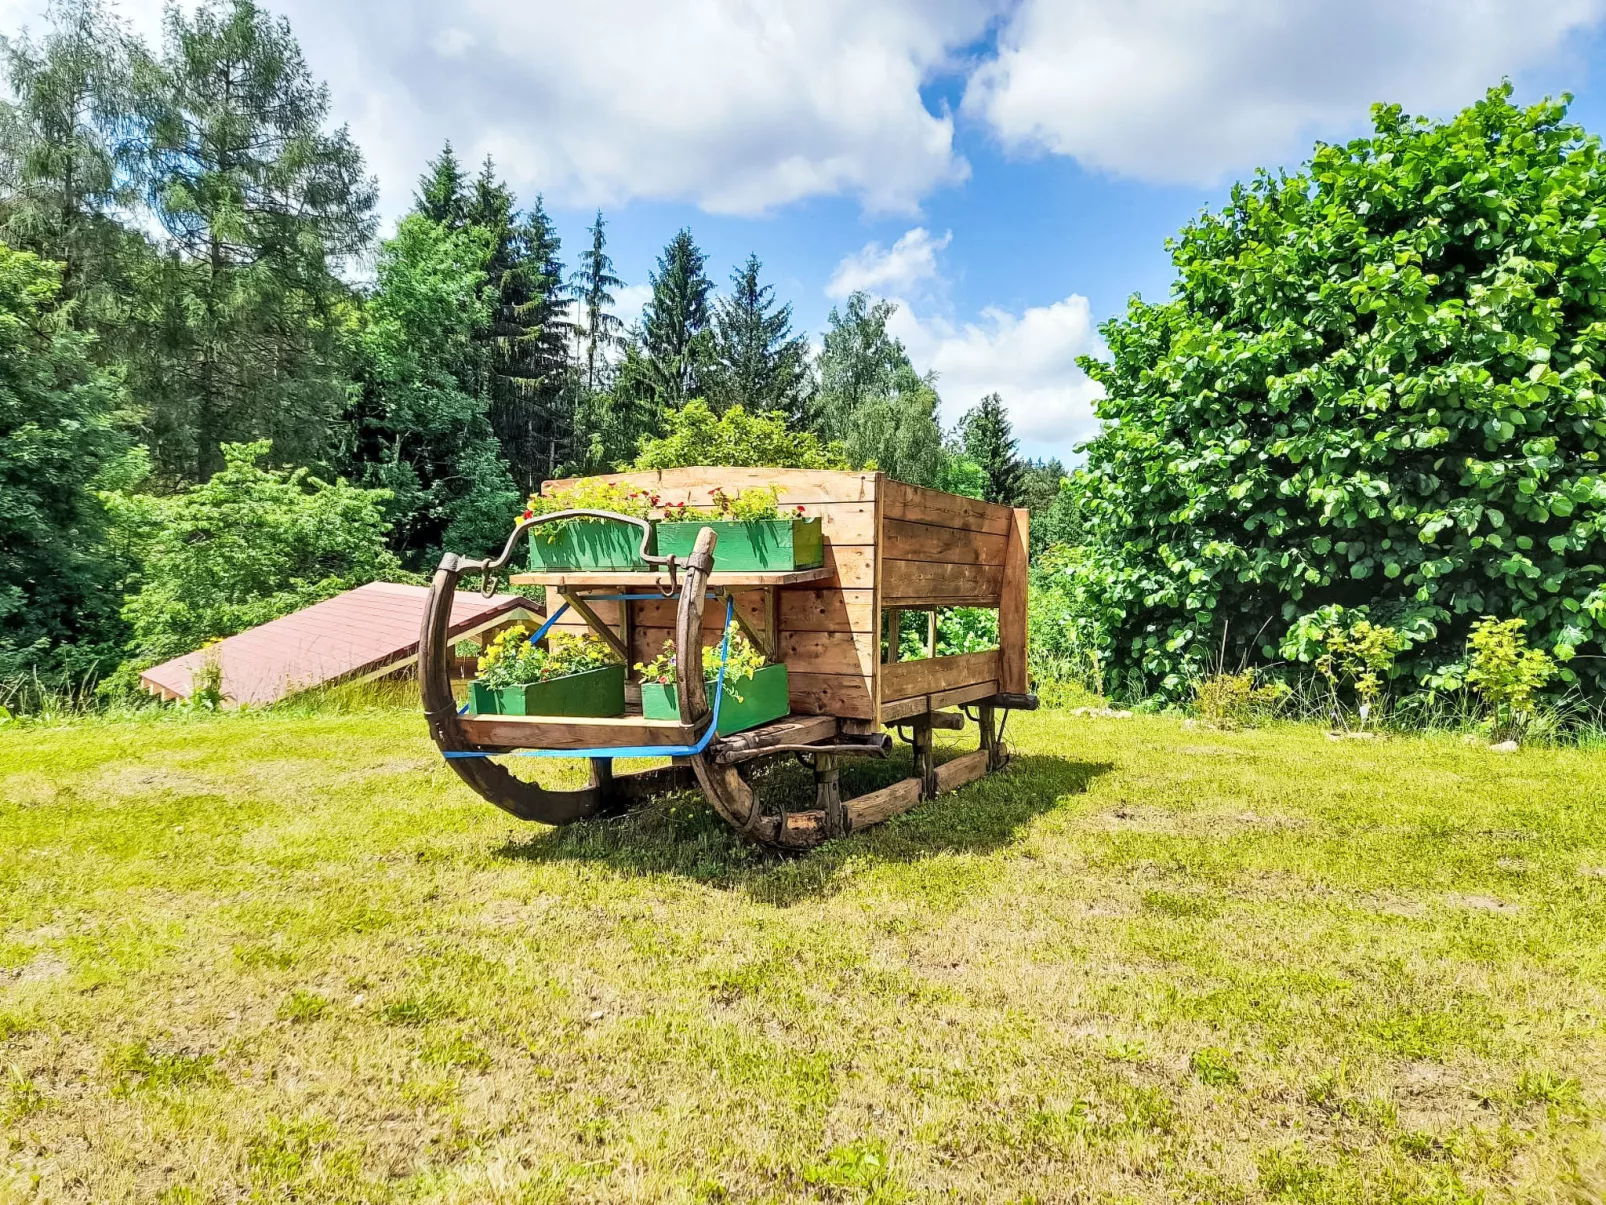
x: 1504, y: 747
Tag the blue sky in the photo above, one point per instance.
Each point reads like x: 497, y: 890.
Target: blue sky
x: 1006, y: 170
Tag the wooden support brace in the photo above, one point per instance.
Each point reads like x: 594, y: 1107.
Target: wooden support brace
x: 828, y: 795
x: 765, y: 648
x: 594, y: 622
x: 987, y: 721
x: 894, y: 627
x: 925, y: 763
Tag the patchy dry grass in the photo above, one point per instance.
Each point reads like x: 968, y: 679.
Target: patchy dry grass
x: 289, y: 958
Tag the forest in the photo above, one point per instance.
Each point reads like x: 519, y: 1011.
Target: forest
x: 226, y: 397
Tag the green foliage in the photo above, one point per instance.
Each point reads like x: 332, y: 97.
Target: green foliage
x: 1235, y: 701
x: 961, y: 475
x: 742, y: 661
x: 511, y: 660
x: 415, y: 430
x: 872, y: 399
x: 248, y: 546
x: 677, y: 342
x: 757, y: 362
x: 989, y: 440
x: 1377, y: 386
x: 1505, y: 673
x: 57, y: 436
x: 1348, y: 650
x: 593, y: 283
x: 693, y: 435
x: 589, y: 493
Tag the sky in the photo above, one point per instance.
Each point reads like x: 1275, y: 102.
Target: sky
x: 1007, y: 171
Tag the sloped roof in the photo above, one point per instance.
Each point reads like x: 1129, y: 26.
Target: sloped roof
x: 351, y: 635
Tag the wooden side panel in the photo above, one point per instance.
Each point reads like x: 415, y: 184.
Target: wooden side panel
x: 902, y: 709
x: 934, y: 583
x: 905, y: 541
x: 1012, y: 608
x: 846, y: 695
x: 904, y: 679
x: 802, y: 652
x: 914, y: 504
x: 801, y: 610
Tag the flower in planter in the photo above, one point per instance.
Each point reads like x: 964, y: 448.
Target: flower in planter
x: 589, y: 495
x: 744, y: 506
x: 511, y: 660
x: 744, y: 660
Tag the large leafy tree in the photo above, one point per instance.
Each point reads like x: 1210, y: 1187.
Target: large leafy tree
x: 57, y: 436
x: 872, y: 399
x: 1377, y: 384
x: 416, y: 431
x: 259, y: 201
x: 757, y: 361
x: 986, y: 437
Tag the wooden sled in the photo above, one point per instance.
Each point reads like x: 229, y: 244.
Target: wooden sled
x: 889, y: 547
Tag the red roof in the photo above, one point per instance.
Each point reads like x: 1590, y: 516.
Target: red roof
x: 348, y: 636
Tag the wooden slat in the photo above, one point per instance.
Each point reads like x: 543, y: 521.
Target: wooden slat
x: 905, y: 541
x: 952, y: 775
x: 905, y: 679
x: 916, y: 504
x: 1012, y: 608
x: 630, y: 582
x: 879, y: 805
x: 538, y: 732
x: 929, y: 583
x: 802, y: 652
x: 902, y: 709
x: 846, y: 695
x: 800, y: 610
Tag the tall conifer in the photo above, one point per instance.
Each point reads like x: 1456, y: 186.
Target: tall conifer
x: 442, y: 194
x: 989, y: 440
x: 593, y: 283
x: 676, y: 341
x: 758, y: 363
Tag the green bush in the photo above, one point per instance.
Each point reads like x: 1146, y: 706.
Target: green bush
x: 694, y: 436
x: 250, y: 545
x: 1376, y: 385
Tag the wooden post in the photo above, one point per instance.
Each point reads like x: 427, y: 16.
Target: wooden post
x: 1012, y: 608
x: 828, y: 795
x: 894, y: 624
x: 987, y: 721
x: 925, y: 763
x: 931, y: 633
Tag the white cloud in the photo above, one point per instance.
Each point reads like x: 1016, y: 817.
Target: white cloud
x: 1189, y: 90
x: 629, y: 301
x: 1029, y: 359
x: 454, y: 43
x: 874, y: 269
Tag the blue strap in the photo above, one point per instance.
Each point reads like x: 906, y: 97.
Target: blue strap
x: 637, y: 750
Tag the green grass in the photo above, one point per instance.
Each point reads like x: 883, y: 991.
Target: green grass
x: 288, y: 957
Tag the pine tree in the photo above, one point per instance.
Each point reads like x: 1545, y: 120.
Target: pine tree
x: 675, y: 337
x: 259, y: 202
x: 989, y: 440
x: 442, y: 194
x: 758, y: 363
x: 593, y: 283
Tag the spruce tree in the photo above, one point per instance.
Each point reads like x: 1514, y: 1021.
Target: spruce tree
x: 675, y: 337
x: 989, y: 440
x: 593, y: 283
x: 758, y: 363
x: 442, y: 194
x: 259, y: 201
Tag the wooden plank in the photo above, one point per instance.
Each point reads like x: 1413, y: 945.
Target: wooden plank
x: 952, y: 775
x: 906, y: 679
x: 846, y: 695
x: 808, y: 487
x: 632, y: 582
x: 539, y: 732
x: 876, y: 603
x: 800, y: 609
x: 932, y: 584
x: 879, y: 805
x: 801, y: 652
x: 1012, y: 608
x: 917, y: 504
x: 963, y: 694
x: 905, y: 541
x: 599, y: 628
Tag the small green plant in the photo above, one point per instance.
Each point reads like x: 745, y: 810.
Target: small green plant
x: 1349, y: 651
x: 300, y: 1007
x: 1213, y: 1066
x: 1505, y: 673
x: 591, y: 493
x: 745, y: 506
x: 511, y: 660
x: 743, y: 662
x: 206, y: 682
x: 1234, y: 701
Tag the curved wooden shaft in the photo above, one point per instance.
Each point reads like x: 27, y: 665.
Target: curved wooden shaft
x: 526, y: 800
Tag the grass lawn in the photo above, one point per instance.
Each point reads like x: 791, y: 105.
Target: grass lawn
x: 289, y: 958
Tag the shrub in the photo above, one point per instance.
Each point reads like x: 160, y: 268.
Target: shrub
x: 694, y: 436
x: 248, y: 546
x: 1234, y: 701
x: 1376, y: 385
x: 1505, y: 673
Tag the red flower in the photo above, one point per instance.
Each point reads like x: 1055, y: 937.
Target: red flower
x: 529, y: 514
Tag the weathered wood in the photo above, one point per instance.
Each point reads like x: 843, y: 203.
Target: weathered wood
x: 914, y: 504
x: 828, y: 795
x: 760, y: 640
x: 801, y: 609
x: 904, y: 541
x: 689, y: 689
x: 923, y: 584
x: 691, y: 485
x: 1012, y: 607
x: 599, y: 628
x: 987, y: 722
x: 877, y: 806
x: 931, y: 633
x: 925, y: 760
x: 792, y: 730
x: 889, y: 653
x: 909, y: 678
x: 572, y: 732
x: 899, y: 709
x: 842, y: 695
x: 800, y: 652
x: 952, y: 775
x: 949, y: 721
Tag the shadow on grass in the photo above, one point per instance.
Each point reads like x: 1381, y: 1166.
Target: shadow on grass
x: 682, y: 835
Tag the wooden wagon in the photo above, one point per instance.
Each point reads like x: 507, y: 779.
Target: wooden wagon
x: 889, y: 548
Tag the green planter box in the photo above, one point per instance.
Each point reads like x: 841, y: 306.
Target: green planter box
x: 588, y: 544
x: 764, y: 698
x: 775, y: 545
x: 594, y: 692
